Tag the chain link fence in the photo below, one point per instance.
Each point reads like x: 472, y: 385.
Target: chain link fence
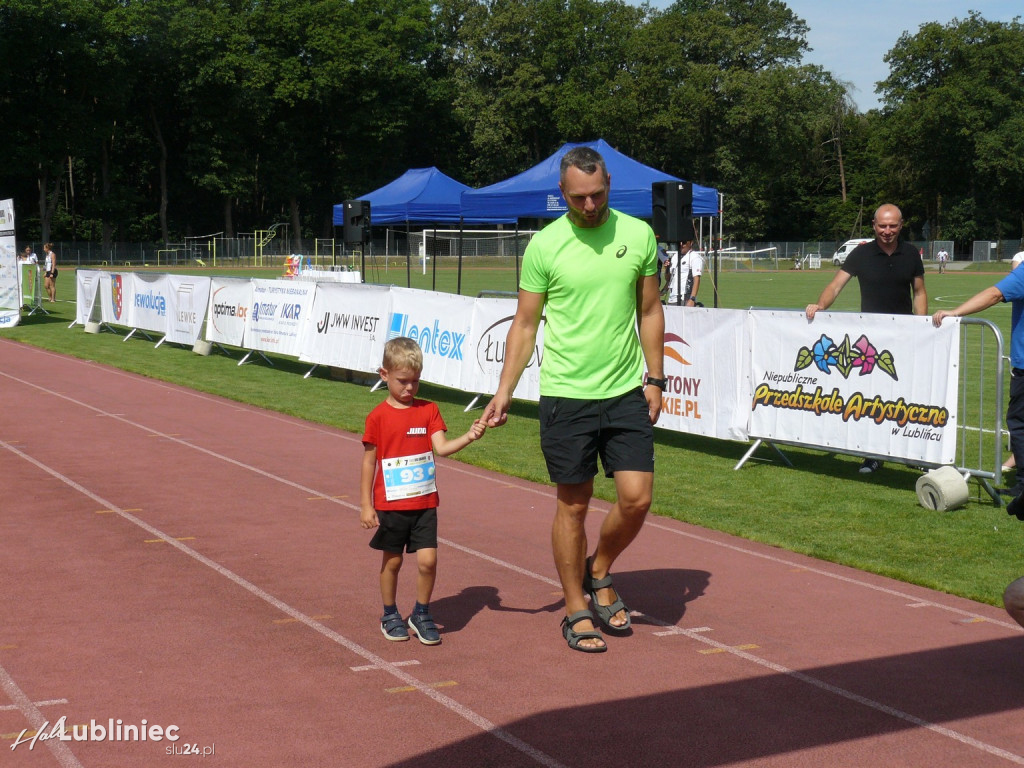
x: 253, y: 250
x: 805, y: 253
x: 263, y: 249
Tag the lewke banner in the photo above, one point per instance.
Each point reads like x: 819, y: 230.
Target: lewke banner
x: 875, y: 384
x: 187, y: 300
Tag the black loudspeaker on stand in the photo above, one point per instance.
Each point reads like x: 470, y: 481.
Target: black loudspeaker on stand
x: 357, y: 221
x: 672, y: 211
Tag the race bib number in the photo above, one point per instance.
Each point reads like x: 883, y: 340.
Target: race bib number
x: 406, y: 477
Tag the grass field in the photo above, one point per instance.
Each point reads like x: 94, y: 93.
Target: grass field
x: 820, y: 507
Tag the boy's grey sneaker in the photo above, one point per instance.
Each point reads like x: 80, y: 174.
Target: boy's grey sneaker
x: 870, y: 465
x: 423, y: 626
x: 393, y: 628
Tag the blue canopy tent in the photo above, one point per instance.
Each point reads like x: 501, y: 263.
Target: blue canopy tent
x: 422, y: 195
x: 534, y: 193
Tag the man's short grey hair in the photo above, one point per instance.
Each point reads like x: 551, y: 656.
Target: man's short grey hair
x: 874, y: 216
x: 584, y: 158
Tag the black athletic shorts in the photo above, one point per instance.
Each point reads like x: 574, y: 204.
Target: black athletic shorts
x: 573, y: 433
x: 412, y: 530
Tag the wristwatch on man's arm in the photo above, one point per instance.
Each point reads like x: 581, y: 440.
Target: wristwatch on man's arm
x: 661, y: 384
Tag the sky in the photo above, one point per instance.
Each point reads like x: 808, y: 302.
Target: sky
x: 849, y: 39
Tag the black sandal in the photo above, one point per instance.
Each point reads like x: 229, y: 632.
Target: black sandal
x: 573, y: 637
x: 605, y: 612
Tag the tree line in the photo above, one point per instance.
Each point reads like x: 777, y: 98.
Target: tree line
x: 152, y: 120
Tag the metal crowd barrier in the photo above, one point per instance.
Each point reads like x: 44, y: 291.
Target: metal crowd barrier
x: 980, y: 410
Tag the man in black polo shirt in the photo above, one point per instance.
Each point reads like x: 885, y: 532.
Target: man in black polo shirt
x: 890, y: 274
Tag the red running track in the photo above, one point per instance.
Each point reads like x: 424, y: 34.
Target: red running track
x: 177, y: 558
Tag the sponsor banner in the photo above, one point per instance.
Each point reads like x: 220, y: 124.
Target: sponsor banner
x: 10, y: 285
x: 441, y: 324
x: 347, y: 326
x: 707, y: 364
x: 113, y: 292
x: 279, y: 309
x: 87, y: 283
x: 328, y: 276
x: 31, y: 276
x: 875, y: 384
x: 486, y: 351
x: 871, y: 384
x: 188, y: 298
x: 146, y: 295
x: 230, y: 299
x: 7, y: 217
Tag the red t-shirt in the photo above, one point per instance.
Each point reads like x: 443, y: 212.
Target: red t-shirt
x: 405, y: 456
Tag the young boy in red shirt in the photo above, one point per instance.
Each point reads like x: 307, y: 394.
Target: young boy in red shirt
x: 398, y: 493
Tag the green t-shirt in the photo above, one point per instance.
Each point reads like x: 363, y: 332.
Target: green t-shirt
x: 591, y: 348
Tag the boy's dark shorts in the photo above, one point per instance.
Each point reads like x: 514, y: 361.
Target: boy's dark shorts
x: 573, y: 433
x: 409, y: 530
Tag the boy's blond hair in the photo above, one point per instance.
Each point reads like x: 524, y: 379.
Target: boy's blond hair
x: 402, y: 354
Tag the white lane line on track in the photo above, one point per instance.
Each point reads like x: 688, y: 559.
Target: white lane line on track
x: 47, y: 703
x: 779, y: 669
x: 426, y: 689
x: 37, y: 720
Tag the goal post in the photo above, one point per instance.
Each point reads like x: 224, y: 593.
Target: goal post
x: 475, y: 243
x: 757, y: 260
x: 476, y: 247
x: 981, y: 250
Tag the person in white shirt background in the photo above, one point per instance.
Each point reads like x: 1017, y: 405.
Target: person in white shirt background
x: 683, y: 269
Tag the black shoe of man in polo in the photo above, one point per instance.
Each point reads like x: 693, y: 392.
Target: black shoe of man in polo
x: 1016, y: 507
x: 1015, y: 491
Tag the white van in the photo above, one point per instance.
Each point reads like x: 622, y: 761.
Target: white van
x: 844, y: 250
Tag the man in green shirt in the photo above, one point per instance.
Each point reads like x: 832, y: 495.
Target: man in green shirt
x: 592, y: 275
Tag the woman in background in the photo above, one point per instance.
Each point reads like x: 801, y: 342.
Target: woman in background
x: 50, y: 267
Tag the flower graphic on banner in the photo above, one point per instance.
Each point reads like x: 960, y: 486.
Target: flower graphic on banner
x: 822, y: 354
x: 845, y: 357
x: 866, y: 357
